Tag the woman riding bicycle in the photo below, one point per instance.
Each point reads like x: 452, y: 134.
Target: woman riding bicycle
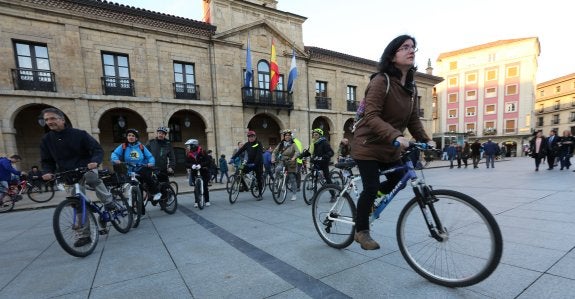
x: 138, y: 159
x: 195, y: 155
x: 288, y: 152
x: 390, y: 108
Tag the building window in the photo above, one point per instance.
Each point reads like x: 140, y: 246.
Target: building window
x: 489, y: 125
x: 511, y: 89
x: 470, y: 111
x: 542, y: 93
x: 573, y: 102
x: 351, y: 93
x: 452, y: 113
x: 557, y: 105
x: 541, y: 108
x: 452, y: 98
x: 470, y: 128
x: 491, y: 57
x: 471, y: 95
x: 471, y: 78
x: 33, y: 67
x: 511, y: 107
x: 512, y: 71
x: 452, y: 128
x: 555, y: 119
x: 321, y: 89
x: 491, y: 92
x: 452, y: 65
x: 116, y: 78
x: 263, y: 75
x: 491, y: 75
x: 558, y: 88
x: 510, y: 126
x: 490, y: 109
x: 452, y: 81
x: 185, y: 81
x: 572, y: 117
x: 540, y: 121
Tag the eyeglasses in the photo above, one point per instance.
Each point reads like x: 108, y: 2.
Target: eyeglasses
x: 407, y: 48
x: 251, y: 136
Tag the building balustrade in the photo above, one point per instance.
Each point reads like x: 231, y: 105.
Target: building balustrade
x: 37, y: 80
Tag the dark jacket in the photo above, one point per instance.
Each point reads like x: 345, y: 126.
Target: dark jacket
x: 321, y: 149
x: 199, y: 156
x: 386, y: 118
x: 68, y: 149
x: 542, y: 148
x: 255, y: 152
x: 163, y: 152
x: 491, y: 148
x: 476, y: 149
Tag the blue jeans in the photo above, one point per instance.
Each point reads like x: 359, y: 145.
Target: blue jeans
x: 490, y: 158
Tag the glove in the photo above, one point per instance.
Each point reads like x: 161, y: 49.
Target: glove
x: 431, y: 144
x: 170, y: 170
x: 403, y: 142
x: 196, y: 166
x: 318, y: 158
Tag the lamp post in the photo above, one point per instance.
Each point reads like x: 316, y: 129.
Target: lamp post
x: 187, y: 122
x: 41, y: 121
x: 121, y: 122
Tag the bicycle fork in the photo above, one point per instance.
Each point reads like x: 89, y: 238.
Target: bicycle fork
x: 425, y: 201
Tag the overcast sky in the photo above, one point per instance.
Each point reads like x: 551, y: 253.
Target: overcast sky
x: 364, y: 27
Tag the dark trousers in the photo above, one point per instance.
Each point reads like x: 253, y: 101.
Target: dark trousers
x: 551, y: 160
x: 146, y: 177
x: 369, y: 172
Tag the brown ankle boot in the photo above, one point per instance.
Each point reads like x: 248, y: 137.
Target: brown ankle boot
x: 365, y: 240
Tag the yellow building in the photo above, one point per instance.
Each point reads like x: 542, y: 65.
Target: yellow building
x: 555, y: 105
x: 111, y: 67
x: 489, y: 92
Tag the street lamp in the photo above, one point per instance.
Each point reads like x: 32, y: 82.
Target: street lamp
x: 121, y: 122
x: 265, y: 123
x: 187, y: 122
x: 41, y: 121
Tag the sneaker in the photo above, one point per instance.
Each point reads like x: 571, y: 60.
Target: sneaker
x: 208, y: 204
x: 157, y: 196
x: 195, y: 205
x: 82, y: 241
x: 293, y: 197
x: 364, y: 239
x: 259, y: 198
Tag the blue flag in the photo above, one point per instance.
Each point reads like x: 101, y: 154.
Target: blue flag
x: 249, y: 71
x: 292, y: 73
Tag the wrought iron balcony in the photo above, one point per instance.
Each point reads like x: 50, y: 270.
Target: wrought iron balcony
x: 490, y: 131
x: 323, y: 103
x: 29, y: 79
x: 186, y: 91
x: 352, y: 105
x: 263, y: 98
x: 118, y: 86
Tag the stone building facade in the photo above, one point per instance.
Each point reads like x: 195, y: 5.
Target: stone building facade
x: 111, y: 67
x: 489, y: 92
x: 555, y: 105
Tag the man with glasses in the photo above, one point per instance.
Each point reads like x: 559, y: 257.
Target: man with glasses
x: 254, y: 150
x: 65, y: 148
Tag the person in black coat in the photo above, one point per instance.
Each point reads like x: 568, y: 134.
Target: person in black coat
x: 552, y: 148
x: 255, y: 153
x: 538, y: 148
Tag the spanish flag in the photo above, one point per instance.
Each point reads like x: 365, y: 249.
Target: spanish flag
x: 275, y: 73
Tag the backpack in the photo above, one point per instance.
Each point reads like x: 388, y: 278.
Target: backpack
x: 359, y: 114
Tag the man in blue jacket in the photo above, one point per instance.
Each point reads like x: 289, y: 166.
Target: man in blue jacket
x: 490, y: 149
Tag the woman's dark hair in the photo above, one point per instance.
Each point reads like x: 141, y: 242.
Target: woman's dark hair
x: 386, y: 64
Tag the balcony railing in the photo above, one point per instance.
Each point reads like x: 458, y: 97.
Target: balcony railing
x: 118, y: 86
x: 261, y: 97
x: 39, y: 80
x: 352, y: 105
x: 323, y: 103
x: 186, y: 91
x: 490, y: 131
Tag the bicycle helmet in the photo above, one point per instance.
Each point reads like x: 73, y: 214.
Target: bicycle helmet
x: 251, y: 133
x: 133, y: 131
x: 162, y: 129
x: 286, y: 131
x: 192, y: 142
x: 318, y: 130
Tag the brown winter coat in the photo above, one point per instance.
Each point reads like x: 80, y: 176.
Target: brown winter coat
x: 386, y: 118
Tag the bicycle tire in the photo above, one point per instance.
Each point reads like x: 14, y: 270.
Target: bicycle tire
x: 234, y: 190
x: 309, y: 188
x: 169, y: 201
x: 122, y: 216
x: 64, y: 224
x: 335, y: 233
x: 472, y: 244
x: 279, y: 187
x: 7, y: 206
x: 36, y: 194
x: 254, y: 188
x: 199, y: 193
x: 229, y: 182
x: 137, y: 205
x: 336, y: 177
x: 175, y: 186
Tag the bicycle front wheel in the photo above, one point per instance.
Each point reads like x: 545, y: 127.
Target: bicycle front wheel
x: 199, y: 193
x: 467, y: 248
x: 229, y: 183
x: 137, y: 205
x: 68, y: 227
x: 169, y: 201
x: 279, y: 188
x: 333, y: 216
x: 121, y: 216
x: 35, y: 193
x: 309, y: 188
x: 175, y: 186
x: 235, y: 189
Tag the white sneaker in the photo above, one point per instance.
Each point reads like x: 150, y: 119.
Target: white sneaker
x: 208, y: 204
x: 157, y: 196
x: 195, y: 205
x: 293, y: 197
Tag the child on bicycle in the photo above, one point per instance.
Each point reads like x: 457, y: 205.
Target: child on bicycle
x: 6, y: 172
x: 195, y: 155
x: 138, y: 159
x: 288, y: 152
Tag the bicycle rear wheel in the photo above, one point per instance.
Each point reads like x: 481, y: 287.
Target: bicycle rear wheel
x: 333, y: 218
x: 121, y: 216
x: 6, y: 206
x: 35, y: 193
x: 279, y: 189
x: 336, y: 177
x: 169, y: 201
x: 234, y: 189
x: 309, y: 188
x: 67, y: 226
x: 467, y: 249
x: 175, y: 186
x: 137, y: 205
x: 199, y: 193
